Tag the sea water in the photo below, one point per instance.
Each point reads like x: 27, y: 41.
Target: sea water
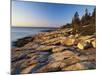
x: 20, y: 32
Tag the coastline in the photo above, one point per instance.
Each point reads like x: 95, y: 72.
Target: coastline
x: 56, y: 50
x: 16, y: 31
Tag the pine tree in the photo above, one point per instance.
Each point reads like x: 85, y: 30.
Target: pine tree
x: 76, y: 23
x: 86, y: 13
x: 88, y: 23
x: 94, y: 16
x: 83, y: 20
x: 86, y: 18
x: 94, y: 13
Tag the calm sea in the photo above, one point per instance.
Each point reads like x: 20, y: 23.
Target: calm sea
x: 20, y: 32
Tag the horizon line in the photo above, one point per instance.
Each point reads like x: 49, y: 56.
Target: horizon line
x: 34, y: 27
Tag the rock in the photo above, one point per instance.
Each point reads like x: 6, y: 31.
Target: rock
x: 71, y: 60
x: 83, y: 45
x: 88, y: 41
x: 94, y: 43
x: 59, y: 60
x: 71, y: 36
x: 21, y: 42
x: 89, y: 64
x: 42, y: 58
x: 54, y: 41
x: 45, y: 48
x: 52, y: 51
x: 29, y: 62
x: 61, y: 55
x: 15, y: 67
x: 28, y: 69
x: 68, y: 41
x: 30, y: 45
x: 65, y: 57
x: 58, y: 49
x: 85, y: 37
x: 19, y: 57
x: 54, y: 65
x: 77, y: 35
x: 50, y: 67
x: 32, y: 55
x: 62, y: 65
x: 76, y: 66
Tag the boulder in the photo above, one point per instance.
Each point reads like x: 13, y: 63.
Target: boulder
x: 18, y: 57
x: 56, y: 66
x: 30, y: 45
x: 71, y: 60
x: 83, y: 45
x: 59, y: 60
x: 76, y: 66
x: 68, y: 41
x: 94, y: 43
x: 50, y: 67
x: 89, y: 64
x: 29, y: 62
x: 45, y: 48
x: 53, y: 41
x: 15, y: 67
x: 58, y: 49
x: 28, y: 69
x: 43, y: 58
x: 59, y: 56
x: 21, y: 42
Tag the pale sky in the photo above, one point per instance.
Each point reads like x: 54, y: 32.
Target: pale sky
x: 35, y: 14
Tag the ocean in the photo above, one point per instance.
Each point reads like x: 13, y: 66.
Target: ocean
x: 20, y: 32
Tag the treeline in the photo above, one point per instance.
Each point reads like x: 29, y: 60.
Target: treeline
x: 84, y: 25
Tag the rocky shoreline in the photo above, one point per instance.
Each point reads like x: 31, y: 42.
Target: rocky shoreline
x: 54, y: 51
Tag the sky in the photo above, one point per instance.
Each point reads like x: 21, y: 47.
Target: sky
x: 39, y: 14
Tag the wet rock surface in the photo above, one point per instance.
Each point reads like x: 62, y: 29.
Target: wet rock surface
x: 54, y: 51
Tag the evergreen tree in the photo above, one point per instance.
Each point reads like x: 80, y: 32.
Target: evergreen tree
x: 76, y: 23
x: 94, y: 13
x: 83, y: 20
x: 94, y: 16
x: 85, y: 25
x: 88, y: 23
x: 86, y: 13
x: 86, y: 17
